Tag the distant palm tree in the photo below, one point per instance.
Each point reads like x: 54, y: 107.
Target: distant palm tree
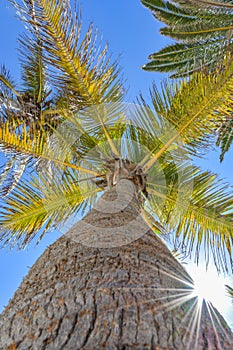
x: 203, y: 33
x: 109, y: 282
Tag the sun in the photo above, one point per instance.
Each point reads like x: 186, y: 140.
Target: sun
x: 208, y: 286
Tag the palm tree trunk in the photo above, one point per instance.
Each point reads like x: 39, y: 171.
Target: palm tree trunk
x: 96, y: 289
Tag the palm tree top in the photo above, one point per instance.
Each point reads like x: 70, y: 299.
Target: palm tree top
x: 75, y: 138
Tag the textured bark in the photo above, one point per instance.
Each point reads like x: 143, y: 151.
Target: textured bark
x: 84, y: 296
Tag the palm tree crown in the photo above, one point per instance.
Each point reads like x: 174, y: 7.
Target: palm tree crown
x: 75, y: 137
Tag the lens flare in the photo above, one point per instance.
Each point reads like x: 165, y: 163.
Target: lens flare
x: 208, y: 285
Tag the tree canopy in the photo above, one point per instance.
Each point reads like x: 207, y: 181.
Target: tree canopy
x: 60, y: 129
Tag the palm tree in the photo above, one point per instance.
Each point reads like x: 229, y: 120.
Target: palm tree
x: 43, y: 93
x: 110, y: 281
x: 203, y: 33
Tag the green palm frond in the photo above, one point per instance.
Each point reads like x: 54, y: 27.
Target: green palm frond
x: 67, y: 161
x: 68, y: 145
x: 220, y: 4
x: 185, y: 56
x: 225, y: 137
x: 195, y: 206
x: 204, y: 35
x: 169, y: 13
x: 13, y: 169
x: 33, y: 68
x: 199, y: 30
x: 32, y: 62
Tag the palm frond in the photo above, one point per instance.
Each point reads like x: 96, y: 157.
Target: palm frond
x: 200, y: 30
x: 5, y: 171
x: 79, y: 70
x: 13, y: 169
x: 70, y: 151
x: 6, y: 83
x: 229, y: 291
x: 39, y: 205
x: 199, y: 210
x: 33, y: 68
x: 169, y: 12
x: 67, y: 145
x: 7, y: 94
x: 220, y: 4
x: 225, y: 137
x: 12, y: 172
x: 187, y: 58
x: 78, y: 66
x: 196, y: 207
x: 34, y: 143
x: 194, y: 111
x: 204, y: 36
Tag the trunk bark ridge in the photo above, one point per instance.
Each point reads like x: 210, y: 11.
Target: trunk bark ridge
x: 84, y: 294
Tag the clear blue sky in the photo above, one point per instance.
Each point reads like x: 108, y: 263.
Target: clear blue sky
x: 130, y: 31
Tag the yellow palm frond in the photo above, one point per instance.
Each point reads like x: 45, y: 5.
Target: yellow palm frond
x: 193, y: 110
x: 198, y: 210
x: 75, y: 64
x: 16, y: 136
x: 79, y: 70
x: 196, y: 207
x: 39, y: 205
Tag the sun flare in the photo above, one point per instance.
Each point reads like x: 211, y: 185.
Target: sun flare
x: 208, y: 286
